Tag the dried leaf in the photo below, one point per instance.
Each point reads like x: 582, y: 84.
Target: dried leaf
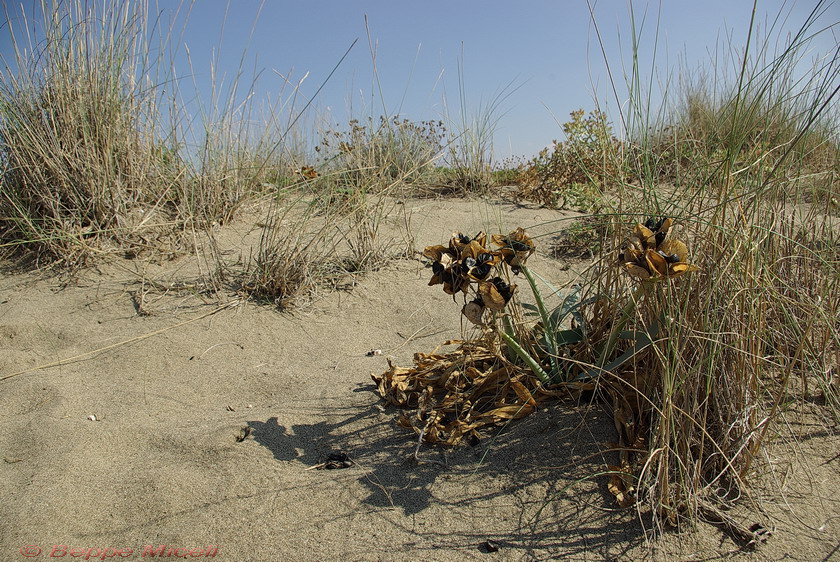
x: 617, y: 486
x: 523, y: 393
x: 404, y: 421
x: 511, y: 412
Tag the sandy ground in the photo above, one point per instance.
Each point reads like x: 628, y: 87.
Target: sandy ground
x: 208, y: 420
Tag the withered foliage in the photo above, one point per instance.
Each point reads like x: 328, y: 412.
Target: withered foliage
x: 450, y: 396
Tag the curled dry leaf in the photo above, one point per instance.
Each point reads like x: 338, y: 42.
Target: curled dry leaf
x: 619, y: 487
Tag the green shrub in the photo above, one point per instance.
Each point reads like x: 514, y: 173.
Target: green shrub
x: 573, y: 172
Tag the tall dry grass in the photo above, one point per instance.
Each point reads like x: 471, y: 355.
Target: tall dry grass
x: 98, y: 149
x: 77, y: 130
x: 376, y: 154
x: 469, y: 147
x: 744, y: 166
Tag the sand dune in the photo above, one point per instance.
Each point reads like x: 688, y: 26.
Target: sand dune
x: 210, y: 412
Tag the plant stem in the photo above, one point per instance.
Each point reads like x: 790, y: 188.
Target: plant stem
x: 510, y: 340
x: 548, y: 329
x: 628, y: 309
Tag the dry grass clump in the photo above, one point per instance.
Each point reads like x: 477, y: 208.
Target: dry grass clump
x: 698, y: 399
x: 468, y: 159
x: 81, y: 160
x: 764, y: 121
x: 294, y: 258
x: 757, y: 127
x: 757, y: 139
x: 306, y: 247
x: 90, y: 161
x: 379, y: 154
x: 721, y: 347
x: 90, y: 164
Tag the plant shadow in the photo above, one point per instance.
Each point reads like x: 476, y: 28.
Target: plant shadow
x: 536, y: 484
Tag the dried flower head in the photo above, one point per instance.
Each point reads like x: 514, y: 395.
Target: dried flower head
x: 465, y: 262
x: 515, y: 248
x: 452, y: 265
x: 649, y: 255
x: 308, y: 172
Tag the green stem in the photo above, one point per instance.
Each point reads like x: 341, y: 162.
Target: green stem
x: 509, y: 336
x: 537, y: 295
x: 548, y: 329
x: 619, y: 326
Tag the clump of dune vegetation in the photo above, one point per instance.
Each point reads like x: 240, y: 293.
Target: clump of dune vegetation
x: 698, y: 353
x: 712, y: 302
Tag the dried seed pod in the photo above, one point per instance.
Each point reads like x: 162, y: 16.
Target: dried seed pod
x: 656, y: 262
x: 473, y: 311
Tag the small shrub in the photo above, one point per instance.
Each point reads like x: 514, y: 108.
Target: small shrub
x: 573, y: 173
x: 297, y: 254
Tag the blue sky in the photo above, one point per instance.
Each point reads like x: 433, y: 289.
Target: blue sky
x: 539, y: 59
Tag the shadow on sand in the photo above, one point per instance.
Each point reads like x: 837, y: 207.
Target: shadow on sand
x: 534, y: 485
